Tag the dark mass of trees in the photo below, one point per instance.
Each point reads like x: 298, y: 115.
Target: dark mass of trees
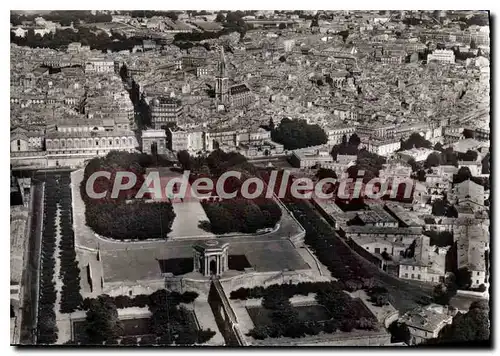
x: 144, y: 300
x: 469, y: 327
x: 415, y: 141
x: 237, y: 214
x: 343, y: 313
x: 170, y: 323
x: 370, y: 163
x: 124, y: 217
x: 241, y: 215
x: 288, y: 290
x: 446, y: 157
x: 46, y: 326
x: 441, y: 207
x: 440, y: 239
x: 71, y: 298
x: 83, y: 34
x: 64, y: 17
x: 294, y: 134
x: 101, y: 323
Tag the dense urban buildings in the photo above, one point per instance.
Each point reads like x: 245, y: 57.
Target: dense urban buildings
x: 250, y: 178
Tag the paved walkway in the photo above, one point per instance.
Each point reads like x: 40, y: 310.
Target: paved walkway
x: 206, y: 320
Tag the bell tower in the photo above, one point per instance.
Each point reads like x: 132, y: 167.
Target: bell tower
x: 222, y: 80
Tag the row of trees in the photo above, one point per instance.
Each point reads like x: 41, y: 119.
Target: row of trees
x: 144, y: 300
x: 46, y: 323
x: 97, y: 40
x: 124, y: 217
x: 65, y: 17
x: 294, y: 134
x: 71, y: 298
x: 342, y: 262
x: 288, y: 290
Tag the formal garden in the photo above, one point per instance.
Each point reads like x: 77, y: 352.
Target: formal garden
x: 237, y: 214
x: 332, y: 310
x: 125, y: 217
x: 170, y: 323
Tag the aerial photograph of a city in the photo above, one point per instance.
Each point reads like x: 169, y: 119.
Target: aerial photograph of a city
x: 273, y: 178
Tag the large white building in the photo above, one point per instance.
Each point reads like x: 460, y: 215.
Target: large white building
x: 441, y: 55
x: 383, y: 147
x: 99, y: 65
x: 308, y: 159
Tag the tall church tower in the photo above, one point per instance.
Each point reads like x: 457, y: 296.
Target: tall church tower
x: 221, y: 80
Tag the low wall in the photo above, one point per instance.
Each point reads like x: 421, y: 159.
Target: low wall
x: 132, y: 288
x: 336, y: 339
x: 256, y: 279
x: 471, y: 293
x: 29, y: 161
x: 391, y: 318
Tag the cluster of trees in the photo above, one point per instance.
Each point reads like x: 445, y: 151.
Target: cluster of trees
x: 46, y: 327
x: 347, y: 147
x: 294, y: 134
x: 343, y: 313
x: 458, y: 279
x: 288, y: 290
x: 242, y: 215
x: 445, y: 157
x: 102, y: 324
x: 379, y: 295
x: 232, y: 22
x: 346, y: 312
x: 71, y: 299
x: 470, y: 327
x: 170, y: 323
x: 65, y: 17
x: 97, y: 40
x: 464, y: 174
x: 477, y: 19
x: 122, y: 218
x: 238, y: 214
x: 440, y: 239
x: 370, y: 163
x: 415, y: 141
x: 152, y: 13
x: 334, y: 254
x: 143, y: 300
x: 441, y: 207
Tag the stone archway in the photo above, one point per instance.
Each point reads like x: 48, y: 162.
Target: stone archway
x: 213, y: 267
